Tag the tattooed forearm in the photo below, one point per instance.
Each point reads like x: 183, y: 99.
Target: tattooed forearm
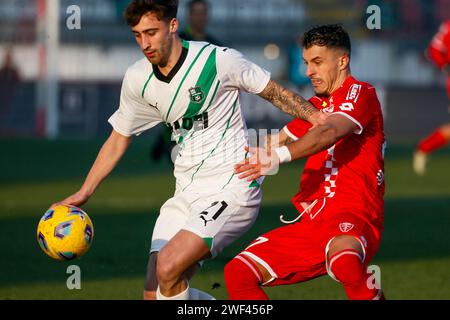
x: 287, y: 101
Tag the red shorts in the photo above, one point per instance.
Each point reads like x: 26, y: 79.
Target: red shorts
x: 297, y: 252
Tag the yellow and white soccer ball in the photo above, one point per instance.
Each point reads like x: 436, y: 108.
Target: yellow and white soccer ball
x: 65, y: 232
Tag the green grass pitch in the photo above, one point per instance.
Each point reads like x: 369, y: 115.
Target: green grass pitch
x: 414, y: 256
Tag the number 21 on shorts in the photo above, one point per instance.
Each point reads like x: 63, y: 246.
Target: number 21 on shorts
x: 209, y: 215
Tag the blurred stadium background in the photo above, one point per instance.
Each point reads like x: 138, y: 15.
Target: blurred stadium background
x: 53, y: 119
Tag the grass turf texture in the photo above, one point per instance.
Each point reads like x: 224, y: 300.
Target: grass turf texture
x: 414, y: 255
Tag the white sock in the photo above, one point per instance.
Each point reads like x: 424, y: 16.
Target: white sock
x: 181, y: 296
x: 195, y: 294
x: 188, y: 294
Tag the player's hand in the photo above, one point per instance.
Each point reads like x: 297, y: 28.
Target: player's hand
x: 77, y: 200
x: 261, y: 163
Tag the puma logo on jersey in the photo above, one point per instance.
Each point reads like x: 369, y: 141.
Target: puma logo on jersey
x: 206, y: 221
x: 216, y: 215
x: 154, y: 106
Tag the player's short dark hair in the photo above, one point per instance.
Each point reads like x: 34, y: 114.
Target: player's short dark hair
x: 163, y: 9
x: 331, y: 36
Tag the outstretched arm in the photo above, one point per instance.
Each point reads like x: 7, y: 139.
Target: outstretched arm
x: 108, y: 157
x: 273, y: 141
x: 291, y: 103
x: 319, y: 138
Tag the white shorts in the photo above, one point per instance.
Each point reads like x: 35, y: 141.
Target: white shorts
x: 218, y: 218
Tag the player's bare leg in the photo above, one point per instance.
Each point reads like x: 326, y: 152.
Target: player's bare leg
x: 345, y: 264
x: 445, y: 129
x: 434, y: 141
x: 341, y: 243
x: 174, y: 261
x: 151, y: 281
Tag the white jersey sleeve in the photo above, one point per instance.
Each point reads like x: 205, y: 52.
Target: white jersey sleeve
x: 236, y: 72
x: 134, y: 115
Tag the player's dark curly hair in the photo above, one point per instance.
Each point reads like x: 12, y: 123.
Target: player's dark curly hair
x: 164, y: 9
x: 331, y: 35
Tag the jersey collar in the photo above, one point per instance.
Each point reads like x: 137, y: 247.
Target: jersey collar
x: 174, y: 70
x: 344, y: 86
x: 324, y: 101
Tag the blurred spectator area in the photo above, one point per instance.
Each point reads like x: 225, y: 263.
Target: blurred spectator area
x: 238, y: 22
x: 409, y: 112
x: 104, y: 47
x: 92, y: 60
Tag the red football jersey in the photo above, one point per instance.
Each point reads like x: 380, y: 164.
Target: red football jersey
x: 439, y: 48
x: 350, y: 174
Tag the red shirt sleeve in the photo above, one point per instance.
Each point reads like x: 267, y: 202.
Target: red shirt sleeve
x: 359, y: 105
x: 297, y: 128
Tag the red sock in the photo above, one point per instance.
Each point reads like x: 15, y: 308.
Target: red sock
x: 242, y: 280
x: 348, y: 268
x: 433, y: 142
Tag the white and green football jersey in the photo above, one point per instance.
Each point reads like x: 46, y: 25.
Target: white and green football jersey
x: 199, y: 101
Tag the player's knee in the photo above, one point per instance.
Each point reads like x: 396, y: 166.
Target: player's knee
x: 345, y: 242
x: 166, y: 269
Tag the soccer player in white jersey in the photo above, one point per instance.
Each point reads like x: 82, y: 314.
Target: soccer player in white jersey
x: 192, y: 87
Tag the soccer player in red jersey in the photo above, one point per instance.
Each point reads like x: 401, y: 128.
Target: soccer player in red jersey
x: 439, y: 53
x: 340, y: 202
